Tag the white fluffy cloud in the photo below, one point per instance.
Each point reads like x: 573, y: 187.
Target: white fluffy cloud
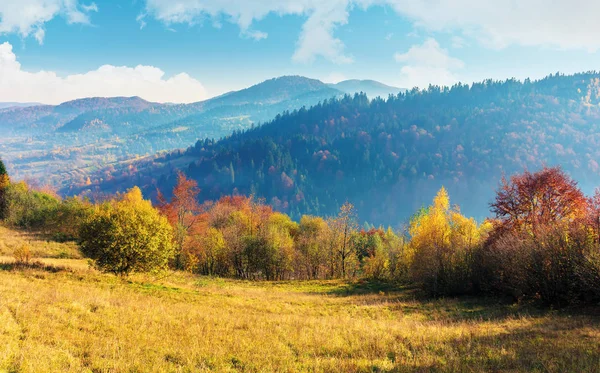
x: 147, y: 82
x: 27, y: 17
x: 565, y: 24
x: 316, y: 37
x: 426, y: 64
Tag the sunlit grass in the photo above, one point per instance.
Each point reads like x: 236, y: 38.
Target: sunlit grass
x: 63, y: 316
x: 40, y: 246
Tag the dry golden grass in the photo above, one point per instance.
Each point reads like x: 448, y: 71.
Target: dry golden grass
x: 40, y: 247
x: 61, y: 316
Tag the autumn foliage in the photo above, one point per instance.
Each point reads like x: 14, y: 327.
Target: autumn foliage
x: 127, y: 235
x: 443, y: 243
x: 545, y: 240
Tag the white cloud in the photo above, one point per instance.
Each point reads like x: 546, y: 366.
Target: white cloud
x: 563, y: 24
x: 334, y: 78
x: 256, y: 35
x: 426, y: 64
x: 147, y: 82
x: 458, y: 42
x: 27, y: 17
x: 316, y: 37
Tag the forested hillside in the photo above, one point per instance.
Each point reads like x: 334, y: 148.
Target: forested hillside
x: 388, y: 157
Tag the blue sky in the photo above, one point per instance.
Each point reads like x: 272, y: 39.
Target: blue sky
x: 188, y: 50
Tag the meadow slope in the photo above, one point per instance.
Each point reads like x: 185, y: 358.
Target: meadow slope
x: 60, y: 315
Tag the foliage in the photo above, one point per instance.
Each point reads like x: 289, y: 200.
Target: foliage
x: 127, y: 235
x: 22, y: 254
x: 545, y: 243
x: 28, y: 208
x: 181, y: 211
x: 443, y: 242
x: 539, y: 199
x: 43, y: 211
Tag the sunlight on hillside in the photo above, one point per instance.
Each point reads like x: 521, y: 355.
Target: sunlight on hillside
x: 63, y: 316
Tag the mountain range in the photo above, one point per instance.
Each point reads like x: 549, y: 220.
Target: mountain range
x: 64, y: 144
x: 8, y: 105
x: 390, y: 156
x: 306, y: 146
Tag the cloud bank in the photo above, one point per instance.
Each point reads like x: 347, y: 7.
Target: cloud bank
x: 147, y: 82
x: 27, y: 17
x: 562, y: 24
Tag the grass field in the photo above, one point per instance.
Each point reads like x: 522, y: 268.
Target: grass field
x: 60, y: 315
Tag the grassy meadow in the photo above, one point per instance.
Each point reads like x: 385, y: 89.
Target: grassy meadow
x: 58, y: 315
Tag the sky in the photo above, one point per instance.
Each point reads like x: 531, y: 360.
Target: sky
x: 53, y: 51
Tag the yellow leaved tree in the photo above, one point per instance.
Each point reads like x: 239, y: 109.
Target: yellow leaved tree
x: 443, y: 242
x: 127, y: 235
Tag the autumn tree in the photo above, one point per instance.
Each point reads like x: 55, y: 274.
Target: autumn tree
x: 372, y: 253
x: 310, y: 246
x: 343, y: 226
x: 544, y: 244
x: 127, y: 235
x: 211, y: 251
x: 442, y: 240
x: 532, y: 200
x: 182, y: 211
x: 593, y: 215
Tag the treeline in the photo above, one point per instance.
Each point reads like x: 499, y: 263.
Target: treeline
x: 242, y: 237
x: 543, y: 242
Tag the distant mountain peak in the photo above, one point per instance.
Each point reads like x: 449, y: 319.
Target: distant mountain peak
x: 16, y: 105
x: 106, y: 101
x: 372, y: 88
x: 272, y: 91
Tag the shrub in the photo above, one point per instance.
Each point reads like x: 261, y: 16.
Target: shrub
x: 27, y: 208
x: 22, y: 254
x: 127, y: 235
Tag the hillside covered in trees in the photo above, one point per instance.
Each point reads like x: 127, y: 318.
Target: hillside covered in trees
x: 61, y: 145
x: 386, y: 156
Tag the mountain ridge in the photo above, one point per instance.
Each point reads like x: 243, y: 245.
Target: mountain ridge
x: 372, y: 88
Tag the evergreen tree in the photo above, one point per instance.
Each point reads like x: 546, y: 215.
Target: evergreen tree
x: 4, y: 182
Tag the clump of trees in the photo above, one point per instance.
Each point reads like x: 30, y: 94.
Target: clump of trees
x: 243, y: 237
x: 40, y: 209
x: 127, y: 235
x: 543, y: 242
x: 443, y: 243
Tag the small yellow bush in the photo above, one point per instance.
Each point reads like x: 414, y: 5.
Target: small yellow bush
x: 22, y: 254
